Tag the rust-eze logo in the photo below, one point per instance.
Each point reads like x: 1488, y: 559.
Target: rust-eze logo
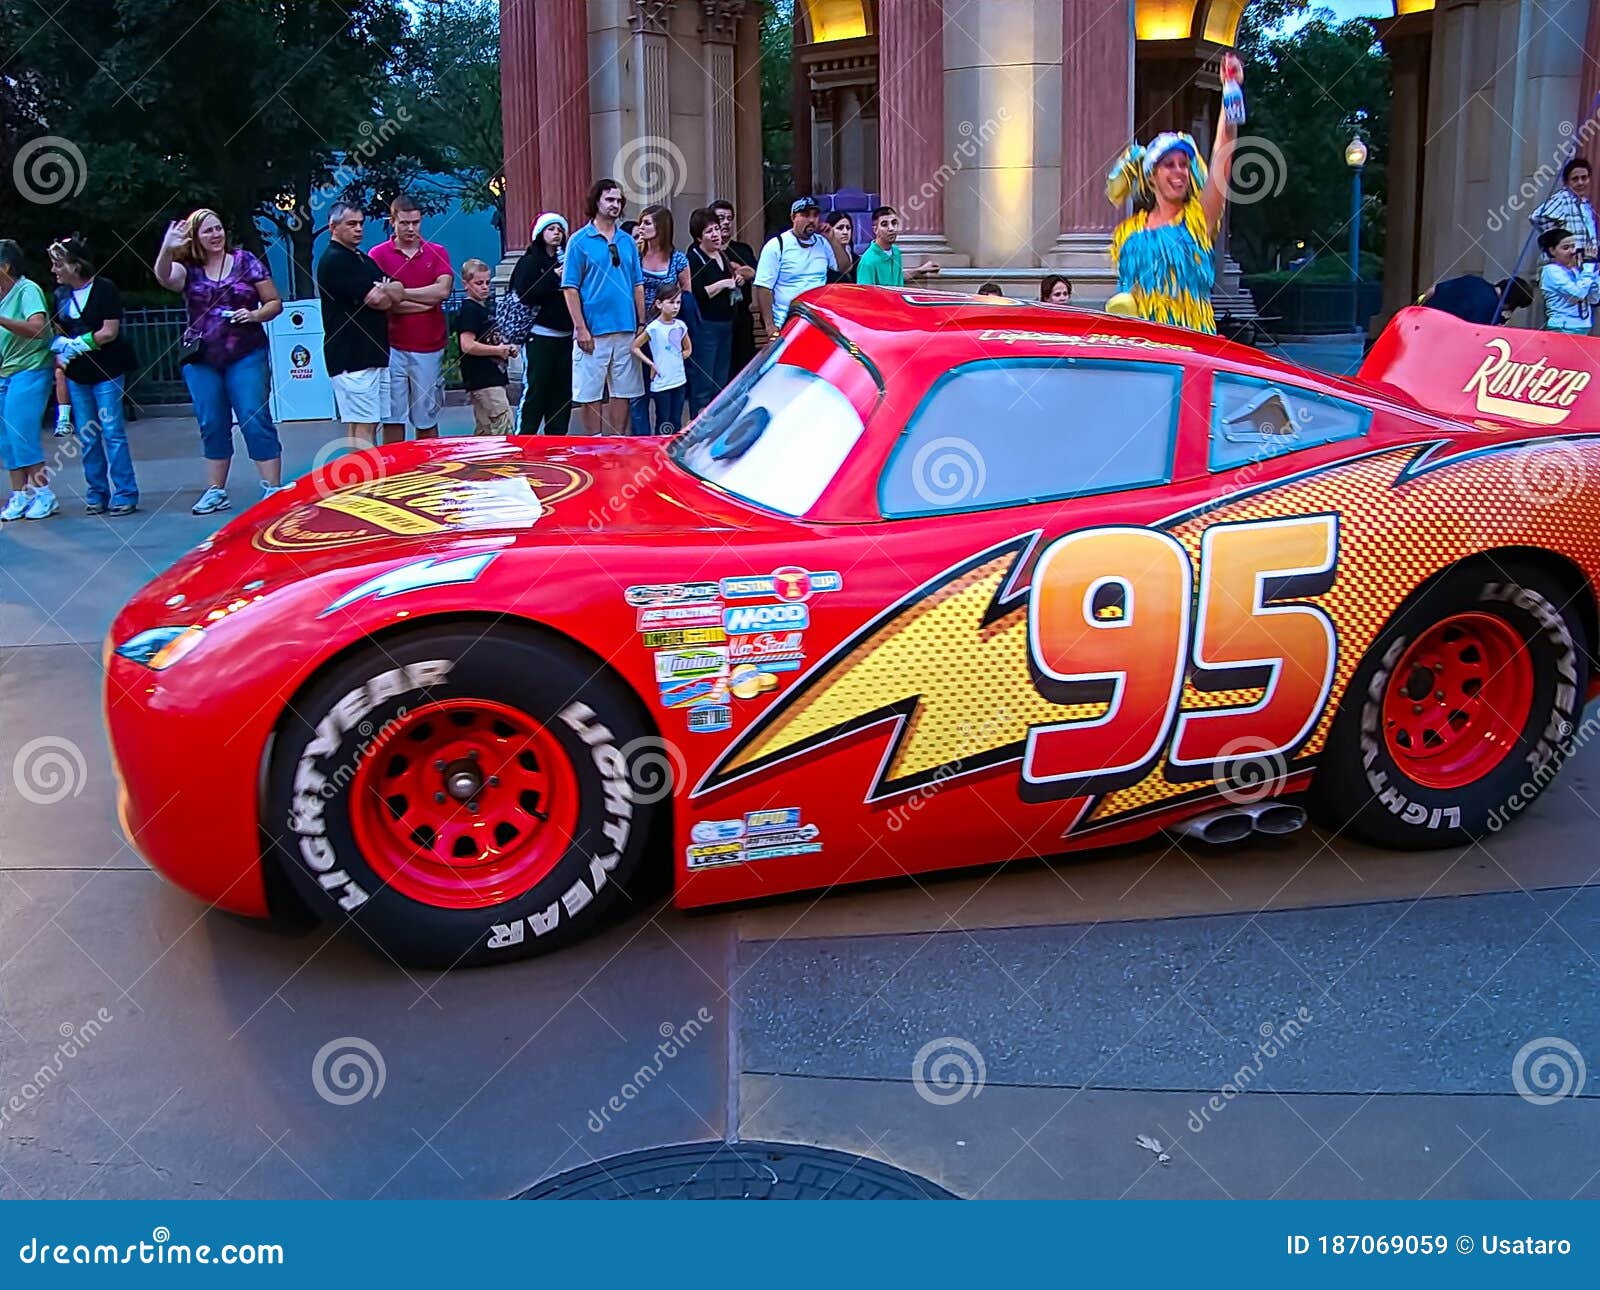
x: 439, y: 498
x: 1534, y: 393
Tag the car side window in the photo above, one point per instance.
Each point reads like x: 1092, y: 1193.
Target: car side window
x: 1252, y: 419
x: 1005, y: 432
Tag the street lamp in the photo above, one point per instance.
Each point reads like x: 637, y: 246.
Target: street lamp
x: 1355, y: 156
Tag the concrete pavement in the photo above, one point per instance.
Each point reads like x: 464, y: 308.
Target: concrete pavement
x: 1012, y: 1032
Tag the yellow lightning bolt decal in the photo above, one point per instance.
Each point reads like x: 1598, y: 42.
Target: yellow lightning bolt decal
x: 949, y: 663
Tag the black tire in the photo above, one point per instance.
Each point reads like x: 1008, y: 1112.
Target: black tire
x: 597, y: 722
x: 1359, y: 787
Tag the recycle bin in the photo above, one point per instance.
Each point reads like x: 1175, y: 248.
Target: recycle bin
x: 301, y: 390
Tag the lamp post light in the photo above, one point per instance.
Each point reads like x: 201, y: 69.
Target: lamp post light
x: 1355, y: 156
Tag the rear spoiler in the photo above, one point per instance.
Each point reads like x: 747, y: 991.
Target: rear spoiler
x: 1493, y: 376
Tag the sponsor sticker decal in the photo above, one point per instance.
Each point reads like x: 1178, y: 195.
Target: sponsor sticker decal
x: 717, y: 830
x: 701, y: 615
x: 1534, y: 393
x: 767, y: 650
x: 675, y: 637
x: 788, y: 583
x: 745, y: 619
x: 767, y: 834
x: 691, y: 664
x: 682, y: 695
x: 708, y: 718
x: 669, y: 593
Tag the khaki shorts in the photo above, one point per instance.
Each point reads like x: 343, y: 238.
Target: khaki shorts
x: 362, y: 397
x: 612, y: 362
x: 491, y: 410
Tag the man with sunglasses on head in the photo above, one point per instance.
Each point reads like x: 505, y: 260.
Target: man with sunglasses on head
x: 603, y: 282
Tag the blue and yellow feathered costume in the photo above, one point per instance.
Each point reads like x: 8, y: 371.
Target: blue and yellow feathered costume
x: 1168, y: 270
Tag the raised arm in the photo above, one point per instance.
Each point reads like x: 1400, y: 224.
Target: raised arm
x: 169, y: 273
x: 1215, y: 198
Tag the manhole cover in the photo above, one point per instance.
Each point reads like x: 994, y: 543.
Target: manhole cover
x: 737, y: 1171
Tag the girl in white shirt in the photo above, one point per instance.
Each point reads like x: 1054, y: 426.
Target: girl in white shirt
x: 1570, y: 290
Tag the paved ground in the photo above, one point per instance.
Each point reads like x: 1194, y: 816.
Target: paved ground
x: 1009, y: 1033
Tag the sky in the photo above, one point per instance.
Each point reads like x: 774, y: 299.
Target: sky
x: 1352, y: 9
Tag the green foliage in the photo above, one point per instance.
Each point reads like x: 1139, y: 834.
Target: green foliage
x: 777, y: 108
x: 262, y: 109
x: 1308, y: 93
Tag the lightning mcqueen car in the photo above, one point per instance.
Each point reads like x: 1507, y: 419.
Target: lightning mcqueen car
x: 938, y: 581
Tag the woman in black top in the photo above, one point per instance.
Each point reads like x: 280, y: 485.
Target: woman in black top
x: 547, y: 376
x: 838, y: 229
x: 716, y: 290
x: 97, y: 359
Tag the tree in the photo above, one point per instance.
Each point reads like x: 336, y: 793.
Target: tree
x: 1308, y: 92
x: 777, y: 109
x: 248, y: 107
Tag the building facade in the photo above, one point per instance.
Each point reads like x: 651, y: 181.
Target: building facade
x: 991, y: 123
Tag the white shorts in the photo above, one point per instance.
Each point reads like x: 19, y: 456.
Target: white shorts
x: 612, y: 359
x: 416, y: 388
x: 362, y: 398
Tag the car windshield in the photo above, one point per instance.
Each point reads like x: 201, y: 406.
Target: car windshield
x: 776, y: 436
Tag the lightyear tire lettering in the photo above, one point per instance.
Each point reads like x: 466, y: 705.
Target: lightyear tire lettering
x: 1360, y: 788
x: 343, y: 717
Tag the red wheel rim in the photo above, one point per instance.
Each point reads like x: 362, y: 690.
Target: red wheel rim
x: 1458, y: 701
x: 464, y: 804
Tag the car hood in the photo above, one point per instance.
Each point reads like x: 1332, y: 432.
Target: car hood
x: 441, y: 496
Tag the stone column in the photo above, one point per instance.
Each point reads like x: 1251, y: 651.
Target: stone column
x: 519, y: 120
x: 647, y: 180
x: 719, y: 30
x: 563, y: 97
x: 751, y: 182
x: 1408, y: 44
x: 911, y: 121
x: 1097, y: 47
x: 1589, y: 80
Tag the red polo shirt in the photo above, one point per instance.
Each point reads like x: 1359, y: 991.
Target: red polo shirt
x: 415, y: 333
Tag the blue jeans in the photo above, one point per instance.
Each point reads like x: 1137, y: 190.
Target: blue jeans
x: 240, y: 389
x: 107, y: 463
x: 708, y: 365
x: 23, y: 396
x: 669, y: 409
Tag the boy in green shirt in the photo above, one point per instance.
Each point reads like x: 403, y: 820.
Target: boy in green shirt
x: 880, y: 263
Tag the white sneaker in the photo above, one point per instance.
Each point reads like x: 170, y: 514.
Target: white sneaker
x: 63, y: 427
x: 213, y: 499
x: 267, y: 490
x: 15, y: 506
x: 42, y: 505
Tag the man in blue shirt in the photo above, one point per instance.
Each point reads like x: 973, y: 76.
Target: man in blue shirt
x: 603, y: 283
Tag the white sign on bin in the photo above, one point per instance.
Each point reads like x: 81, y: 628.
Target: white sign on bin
x: 301, y: 390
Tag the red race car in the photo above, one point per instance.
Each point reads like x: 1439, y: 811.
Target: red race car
x: 938, y: 581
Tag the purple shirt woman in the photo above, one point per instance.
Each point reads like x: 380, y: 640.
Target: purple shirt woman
x: 229, y: 295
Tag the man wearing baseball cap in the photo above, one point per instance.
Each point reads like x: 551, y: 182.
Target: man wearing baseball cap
x: 794, y: 261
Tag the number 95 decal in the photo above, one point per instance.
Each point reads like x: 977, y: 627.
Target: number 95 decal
x: 1114, y: 618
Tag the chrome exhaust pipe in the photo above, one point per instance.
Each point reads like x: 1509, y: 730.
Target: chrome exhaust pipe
x: 1276, y: 819
x: 1220, y: 827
